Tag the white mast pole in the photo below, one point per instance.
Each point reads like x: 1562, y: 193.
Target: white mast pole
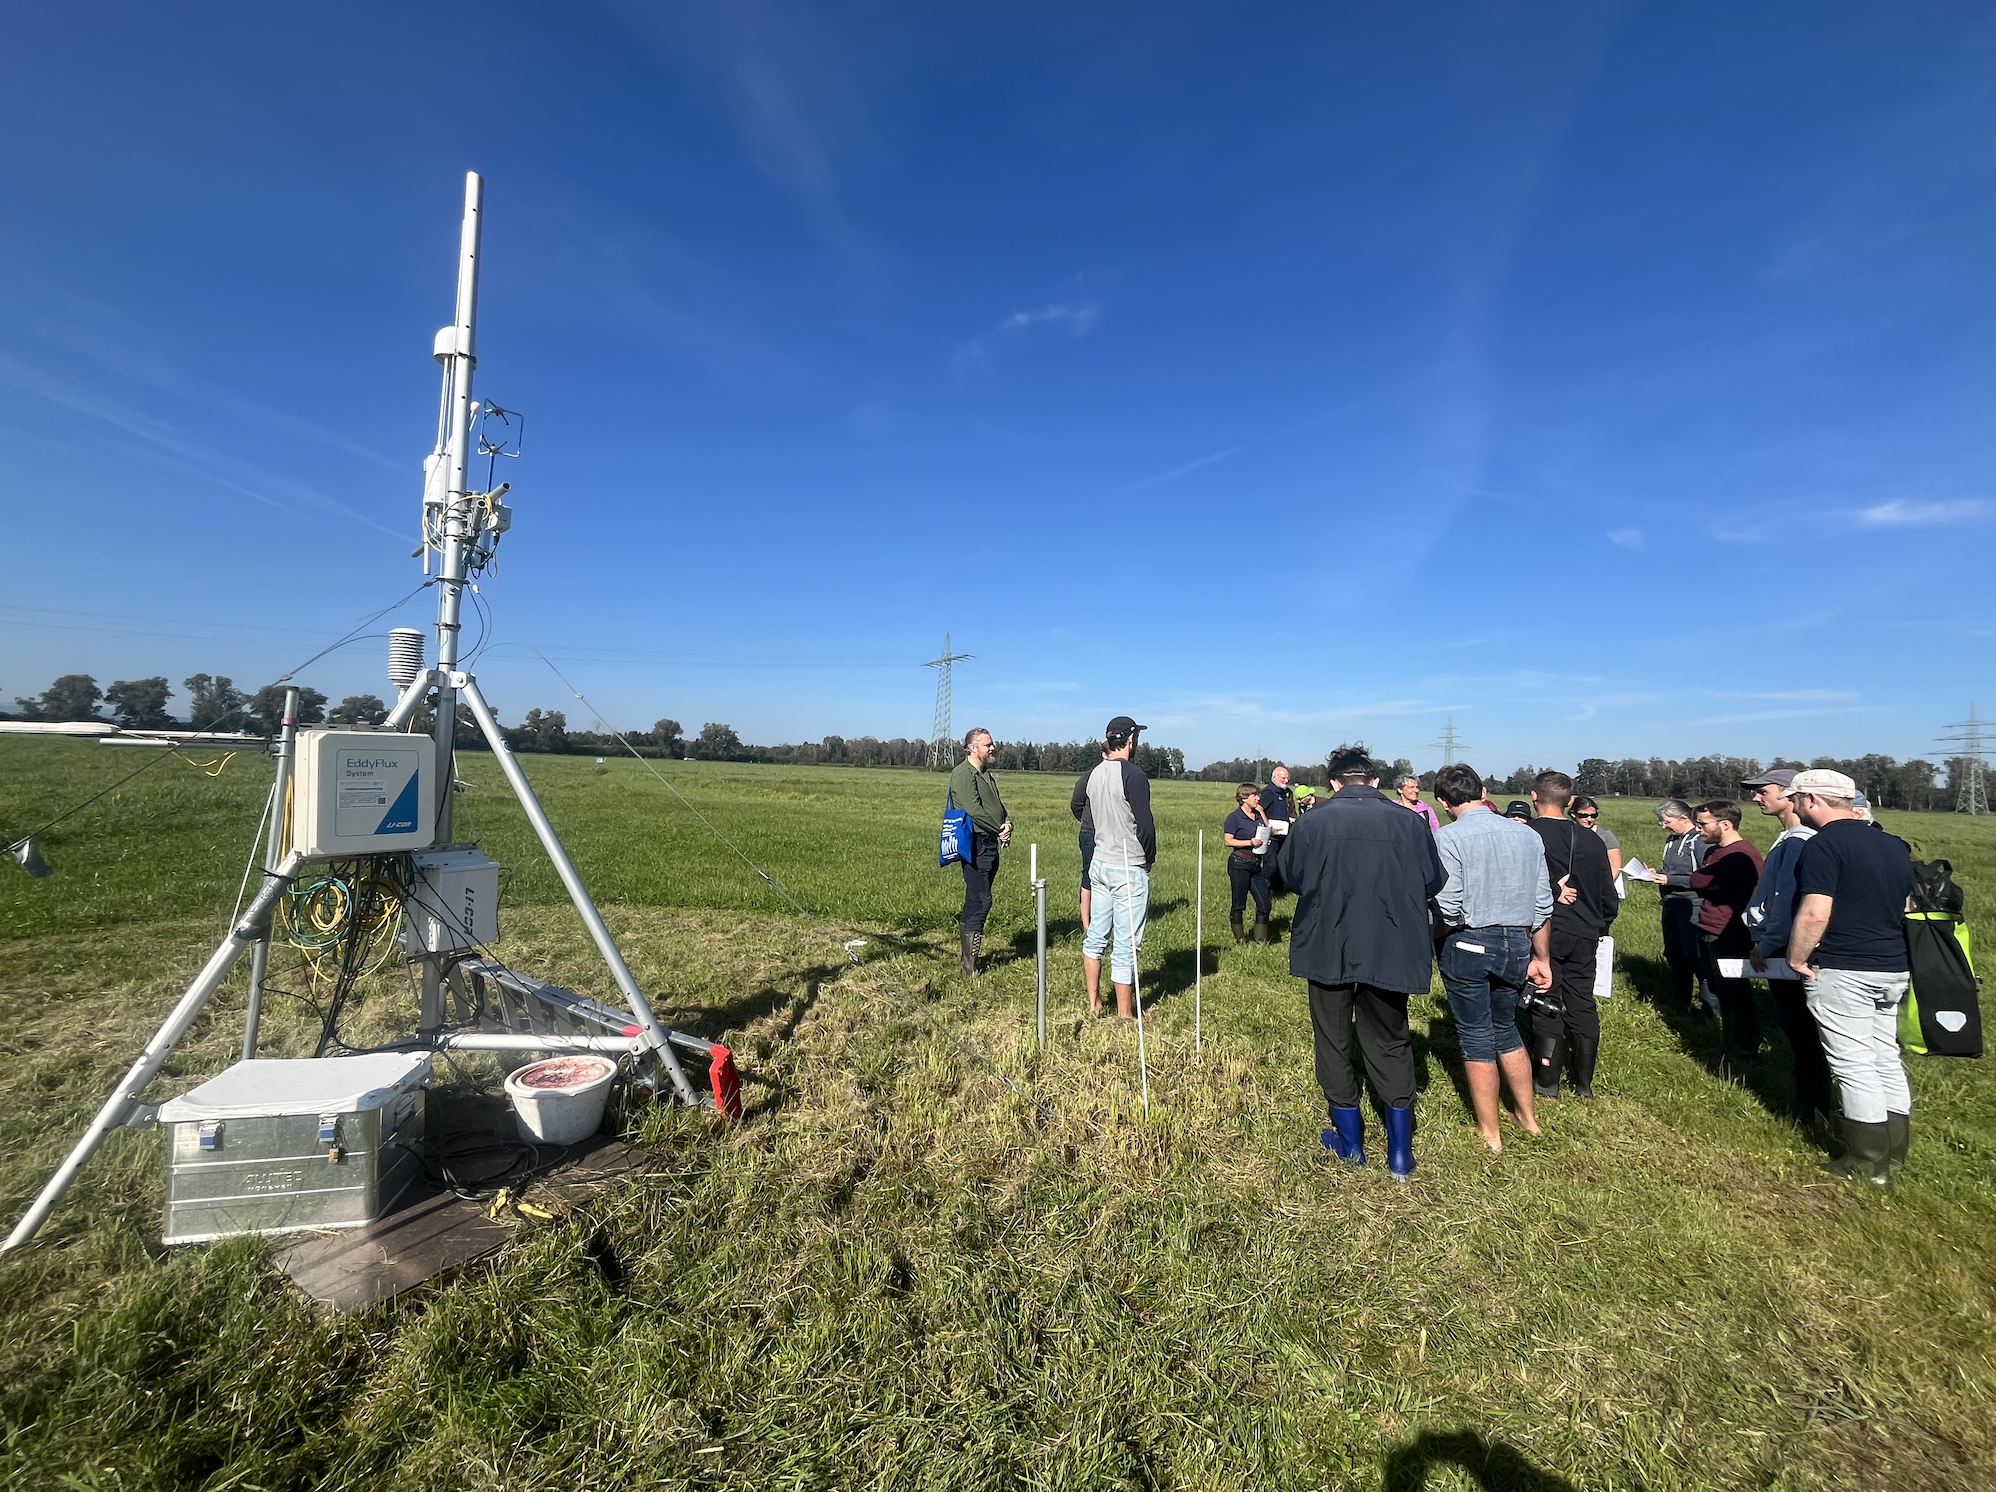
x: 457, y: 350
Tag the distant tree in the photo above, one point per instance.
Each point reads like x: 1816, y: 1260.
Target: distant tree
x: 716, y: 743
x: 139, y: 702
x: 214, y: 702
x: 669, y: 737
x: 74, y: 696
x: 541, y: 730
x: 266, y: 708
x: 833, y: 749
x: 358, y: 709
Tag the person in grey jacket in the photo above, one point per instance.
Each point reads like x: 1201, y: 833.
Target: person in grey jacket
x: 1683, y: 854
x: 1362, y: 868
x: 1769, y: 917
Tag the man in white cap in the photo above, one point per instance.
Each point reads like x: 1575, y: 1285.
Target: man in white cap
x: 1848, y: 943
x: 1769, y: 917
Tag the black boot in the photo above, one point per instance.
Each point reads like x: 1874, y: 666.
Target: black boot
x: 1240, y: 933
x: 1586, y: 1050
x: 1867, y: 1153
x: 1548, y: 1059
x: 1261, y: 929
x: 1899, y: 1136
x: 971, y: 943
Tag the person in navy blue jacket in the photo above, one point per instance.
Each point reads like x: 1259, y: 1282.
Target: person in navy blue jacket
x: 1362, y: 869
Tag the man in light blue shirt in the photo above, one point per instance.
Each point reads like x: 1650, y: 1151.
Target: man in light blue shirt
x: 1496, y: 916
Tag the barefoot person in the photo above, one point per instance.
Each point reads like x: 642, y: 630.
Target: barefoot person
x: 1125, y: 851
x: 1496, y: 916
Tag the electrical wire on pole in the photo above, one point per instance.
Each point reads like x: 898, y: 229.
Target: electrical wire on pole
x: 1967, y: 751
x: 1451, y: 743
x: 942, y: 735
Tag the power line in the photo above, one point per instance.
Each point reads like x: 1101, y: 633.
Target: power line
x: 1451, y: 743
x: 1967, y: 748
x: 942, y: 736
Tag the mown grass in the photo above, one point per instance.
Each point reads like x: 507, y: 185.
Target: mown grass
x: 900, y: 1272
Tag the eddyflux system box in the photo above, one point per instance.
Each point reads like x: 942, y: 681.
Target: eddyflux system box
x: 360, y: 792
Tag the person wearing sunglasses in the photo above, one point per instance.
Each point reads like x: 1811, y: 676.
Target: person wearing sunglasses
x: 1587, y: 814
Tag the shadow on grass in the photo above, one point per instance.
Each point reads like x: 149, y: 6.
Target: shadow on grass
x: 1443, y: 1044
x: 1769, y: 1078
x: 1495, y: 1466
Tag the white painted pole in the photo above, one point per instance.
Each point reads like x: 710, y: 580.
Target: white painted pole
x: 1040, y: 965
x: 1199, y: 946
x: 457, y: 350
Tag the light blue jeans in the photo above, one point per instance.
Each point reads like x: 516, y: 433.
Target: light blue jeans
x: 1122, y: 898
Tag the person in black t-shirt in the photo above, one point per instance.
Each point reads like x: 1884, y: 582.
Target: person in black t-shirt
x: 1246, y: 833
x: 1848, y: 943
x: 1565, y: 1018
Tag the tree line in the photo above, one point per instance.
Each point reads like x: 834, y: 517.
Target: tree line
x: 215, y: 703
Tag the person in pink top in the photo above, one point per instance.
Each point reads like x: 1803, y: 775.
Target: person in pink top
x: 1409, y: 789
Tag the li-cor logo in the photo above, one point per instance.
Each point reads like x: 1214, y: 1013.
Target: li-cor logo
x: 371, y: 763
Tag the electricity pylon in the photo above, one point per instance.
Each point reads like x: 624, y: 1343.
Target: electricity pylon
x: 1964, y: 740
x: 942, y: 737
x: 1450, y: 743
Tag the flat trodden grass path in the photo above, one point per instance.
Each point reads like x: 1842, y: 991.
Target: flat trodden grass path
x: 901, y: 1273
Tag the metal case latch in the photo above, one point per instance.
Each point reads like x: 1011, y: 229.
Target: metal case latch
x: 211, y: 1134
x: 329, y: 1136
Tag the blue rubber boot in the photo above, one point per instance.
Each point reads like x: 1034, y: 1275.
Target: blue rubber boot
x: 1400, y: 1142
x: 1347, y: 1140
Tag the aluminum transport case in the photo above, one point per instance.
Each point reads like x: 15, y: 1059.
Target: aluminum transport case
x: 281, y: 1146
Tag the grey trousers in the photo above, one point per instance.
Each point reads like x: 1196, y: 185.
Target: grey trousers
x: 1859, y: 1016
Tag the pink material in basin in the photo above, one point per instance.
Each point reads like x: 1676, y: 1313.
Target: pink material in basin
x: 563, y: 1072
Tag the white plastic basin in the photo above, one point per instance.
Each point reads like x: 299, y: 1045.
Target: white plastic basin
x: 561, y: 1100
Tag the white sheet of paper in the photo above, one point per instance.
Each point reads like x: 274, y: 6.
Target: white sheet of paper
x: 1635, y: 870
x: 1739, y: 968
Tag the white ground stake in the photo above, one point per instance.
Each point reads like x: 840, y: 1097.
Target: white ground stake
x: 1198, y: 945
x: 1040, y: 901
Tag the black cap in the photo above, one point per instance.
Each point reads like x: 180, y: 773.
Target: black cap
x: 1122, y: 726
x: 1518, y: 808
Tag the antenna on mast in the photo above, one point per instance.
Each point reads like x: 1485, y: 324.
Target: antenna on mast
x: 942, y: 736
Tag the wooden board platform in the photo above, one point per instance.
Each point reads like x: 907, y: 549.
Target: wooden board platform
x: 435, y: 1232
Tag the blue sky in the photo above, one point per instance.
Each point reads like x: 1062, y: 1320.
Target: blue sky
x: 1615, y: 380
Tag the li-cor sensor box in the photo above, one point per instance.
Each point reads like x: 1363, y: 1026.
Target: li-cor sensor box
x: 360, y: 792
x: 281, y: 1145
x: 454, y: 904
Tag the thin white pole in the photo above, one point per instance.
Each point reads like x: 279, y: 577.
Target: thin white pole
x: 1198, y: 946
x: 273, y: 852
x: 1136, y: 977
x: 1040, y: 959
x: 457, y: 350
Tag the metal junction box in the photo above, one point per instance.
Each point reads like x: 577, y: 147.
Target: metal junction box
x: 453, y: 906
x: 279, y: 1146
x: 360, y: 792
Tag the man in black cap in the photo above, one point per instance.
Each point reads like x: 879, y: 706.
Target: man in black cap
x: 1117, y: 798
x: 1362, y: 868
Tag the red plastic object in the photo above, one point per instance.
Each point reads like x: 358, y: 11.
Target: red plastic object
x: 726, y: 1082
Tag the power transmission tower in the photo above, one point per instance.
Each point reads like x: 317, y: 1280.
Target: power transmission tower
x: 942, y: 738
x: 1965, y: 743
x: 1451, y: 743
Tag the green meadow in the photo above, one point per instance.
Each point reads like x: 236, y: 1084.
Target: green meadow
x: 934, y: 1255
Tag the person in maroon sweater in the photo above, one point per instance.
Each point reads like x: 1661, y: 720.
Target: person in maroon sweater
x: 1725, y: 886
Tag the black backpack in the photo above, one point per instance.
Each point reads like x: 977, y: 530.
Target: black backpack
x: 1943, y: 1011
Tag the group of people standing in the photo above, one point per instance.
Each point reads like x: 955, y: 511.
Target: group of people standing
x: 1513, y: 908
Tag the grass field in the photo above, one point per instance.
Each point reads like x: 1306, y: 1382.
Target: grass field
x: 898, y: 1272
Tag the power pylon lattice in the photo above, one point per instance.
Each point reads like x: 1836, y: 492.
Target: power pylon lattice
x: 1451, y: 743
x: 942, y: 738
x: 1968, y: 749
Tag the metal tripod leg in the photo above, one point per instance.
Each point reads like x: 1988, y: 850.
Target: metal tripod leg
x: 606, y: 944
x: 125, y: 1097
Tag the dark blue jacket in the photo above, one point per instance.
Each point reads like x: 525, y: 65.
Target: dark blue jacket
x: 1362, y: 868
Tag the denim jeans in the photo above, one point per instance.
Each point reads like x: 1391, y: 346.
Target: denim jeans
x: 979, y: 871
x: 1483, y: 970
x: 1116, y: 914
x: 1859, y: 1016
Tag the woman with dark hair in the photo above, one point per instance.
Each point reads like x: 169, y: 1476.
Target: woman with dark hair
x: 1246, y: 833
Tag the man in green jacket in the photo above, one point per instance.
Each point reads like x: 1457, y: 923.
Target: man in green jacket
x: 976, y: 792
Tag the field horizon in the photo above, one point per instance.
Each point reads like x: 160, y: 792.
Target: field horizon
x: 933, y: 1255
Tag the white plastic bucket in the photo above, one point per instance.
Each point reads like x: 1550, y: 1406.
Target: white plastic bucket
x: 561, y: 1100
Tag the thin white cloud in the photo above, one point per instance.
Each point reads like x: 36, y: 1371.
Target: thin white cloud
x: 1626, y: 538
x: 1077, y: 319
x: 1904, y: 512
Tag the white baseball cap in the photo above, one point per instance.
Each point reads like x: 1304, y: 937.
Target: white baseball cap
x: 1821, y: 781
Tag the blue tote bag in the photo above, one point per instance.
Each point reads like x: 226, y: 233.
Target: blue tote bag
x: 955, y: 844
